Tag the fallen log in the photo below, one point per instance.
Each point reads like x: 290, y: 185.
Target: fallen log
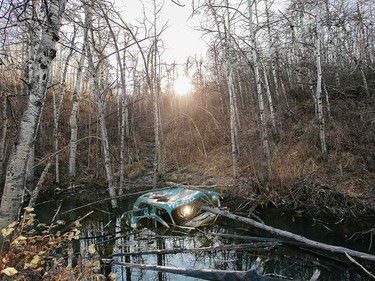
x: 253, y: 246
x: 205, y: 274
x: 305, y: 241
x: 242, y: 237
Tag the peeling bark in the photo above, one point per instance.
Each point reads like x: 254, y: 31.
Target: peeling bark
x: 39, y: 72
x: 318, y: 93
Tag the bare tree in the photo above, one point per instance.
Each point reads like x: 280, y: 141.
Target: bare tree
x: 39, y: 72
x: 103, y: 128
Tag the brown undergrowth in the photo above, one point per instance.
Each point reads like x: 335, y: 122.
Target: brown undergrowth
x: 32, y: 251
x: 302, y: 178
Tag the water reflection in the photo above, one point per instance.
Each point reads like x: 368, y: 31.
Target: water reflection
x: 115, y: 240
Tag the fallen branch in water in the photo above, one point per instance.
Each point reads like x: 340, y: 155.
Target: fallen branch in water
x: 241, y: 237
x: 305, y: 241
x: 254, y: 246
x: 205, y: 274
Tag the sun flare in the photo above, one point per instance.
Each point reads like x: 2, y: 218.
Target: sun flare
x: 182, y: 86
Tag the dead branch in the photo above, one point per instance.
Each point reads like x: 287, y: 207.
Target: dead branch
x: 205, y: 274
x: 253, y: 246
x: 34, y: 194
x: 360, y: 266
x: 305, y: 241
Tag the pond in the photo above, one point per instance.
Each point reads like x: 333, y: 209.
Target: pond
x: 228, y: 246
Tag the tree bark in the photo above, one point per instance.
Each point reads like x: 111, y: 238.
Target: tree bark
x: 4, y: 115
x: 74, y: 113
x: 39, y: 72
x: 318, y: 93
x: 34, y: 194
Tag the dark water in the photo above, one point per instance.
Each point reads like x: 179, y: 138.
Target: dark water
x: 112, y: 237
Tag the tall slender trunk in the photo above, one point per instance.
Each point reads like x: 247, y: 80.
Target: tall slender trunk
x: 232, y: 96
x: 57, y: 101
x: 155, y: 94
x: 318, y: 94
x: 264, y: 134
x: 72, y: 172
x: 272, y: 49
x: 14, y: 181
x: 4, y: 115
x: 124, y: 117
x: 101, y: 112
x: 365, y: 84
x: 270, y: 101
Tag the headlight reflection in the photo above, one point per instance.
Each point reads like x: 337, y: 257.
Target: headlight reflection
x: 186, y: 211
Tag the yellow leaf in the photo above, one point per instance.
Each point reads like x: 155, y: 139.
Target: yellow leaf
x: 13, y: 224
x: 92, y: 249
x: 18, y: 240
x: 96, y: 264
x: 34, y: 262
x: 29, y: 209
x: 10, y: 271
x: 76, y: 233
x: 6, y: 231
x: 113, y: 276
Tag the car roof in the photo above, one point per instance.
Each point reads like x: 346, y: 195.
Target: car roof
x: 170, y: 199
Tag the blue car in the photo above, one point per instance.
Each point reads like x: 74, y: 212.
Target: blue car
x: 174, y: 206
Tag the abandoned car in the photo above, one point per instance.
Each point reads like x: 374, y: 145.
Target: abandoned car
x: 174, y: 206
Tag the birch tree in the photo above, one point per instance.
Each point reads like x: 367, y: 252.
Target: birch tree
x: 72, y: 171
x: 101, y: 112
x: 58, y: 97
x: 263, y: 124
x: 39, y: 72
x: 124, y: 115
x: 318, y: 93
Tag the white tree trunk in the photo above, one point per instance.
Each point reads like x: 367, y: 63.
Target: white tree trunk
x: 232, y: 97
x: 155, y: 95
x: 272, y: 49
x: 124, y: 115
x: 101, y: 113
x: 318, y: 95
x: 263, y: 124
x: 72, y: 170
x: 270, y: 102
x: 15, y: 176
x: 57, y: 101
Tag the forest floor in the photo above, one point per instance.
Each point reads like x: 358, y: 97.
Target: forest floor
x: 316, y: 198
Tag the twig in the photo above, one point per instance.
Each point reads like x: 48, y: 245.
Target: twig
x: 360, y: 266
x: 58, y: 210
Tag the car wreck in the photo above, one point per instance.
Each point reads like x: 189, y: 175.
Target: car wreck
x: 175, y: 206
